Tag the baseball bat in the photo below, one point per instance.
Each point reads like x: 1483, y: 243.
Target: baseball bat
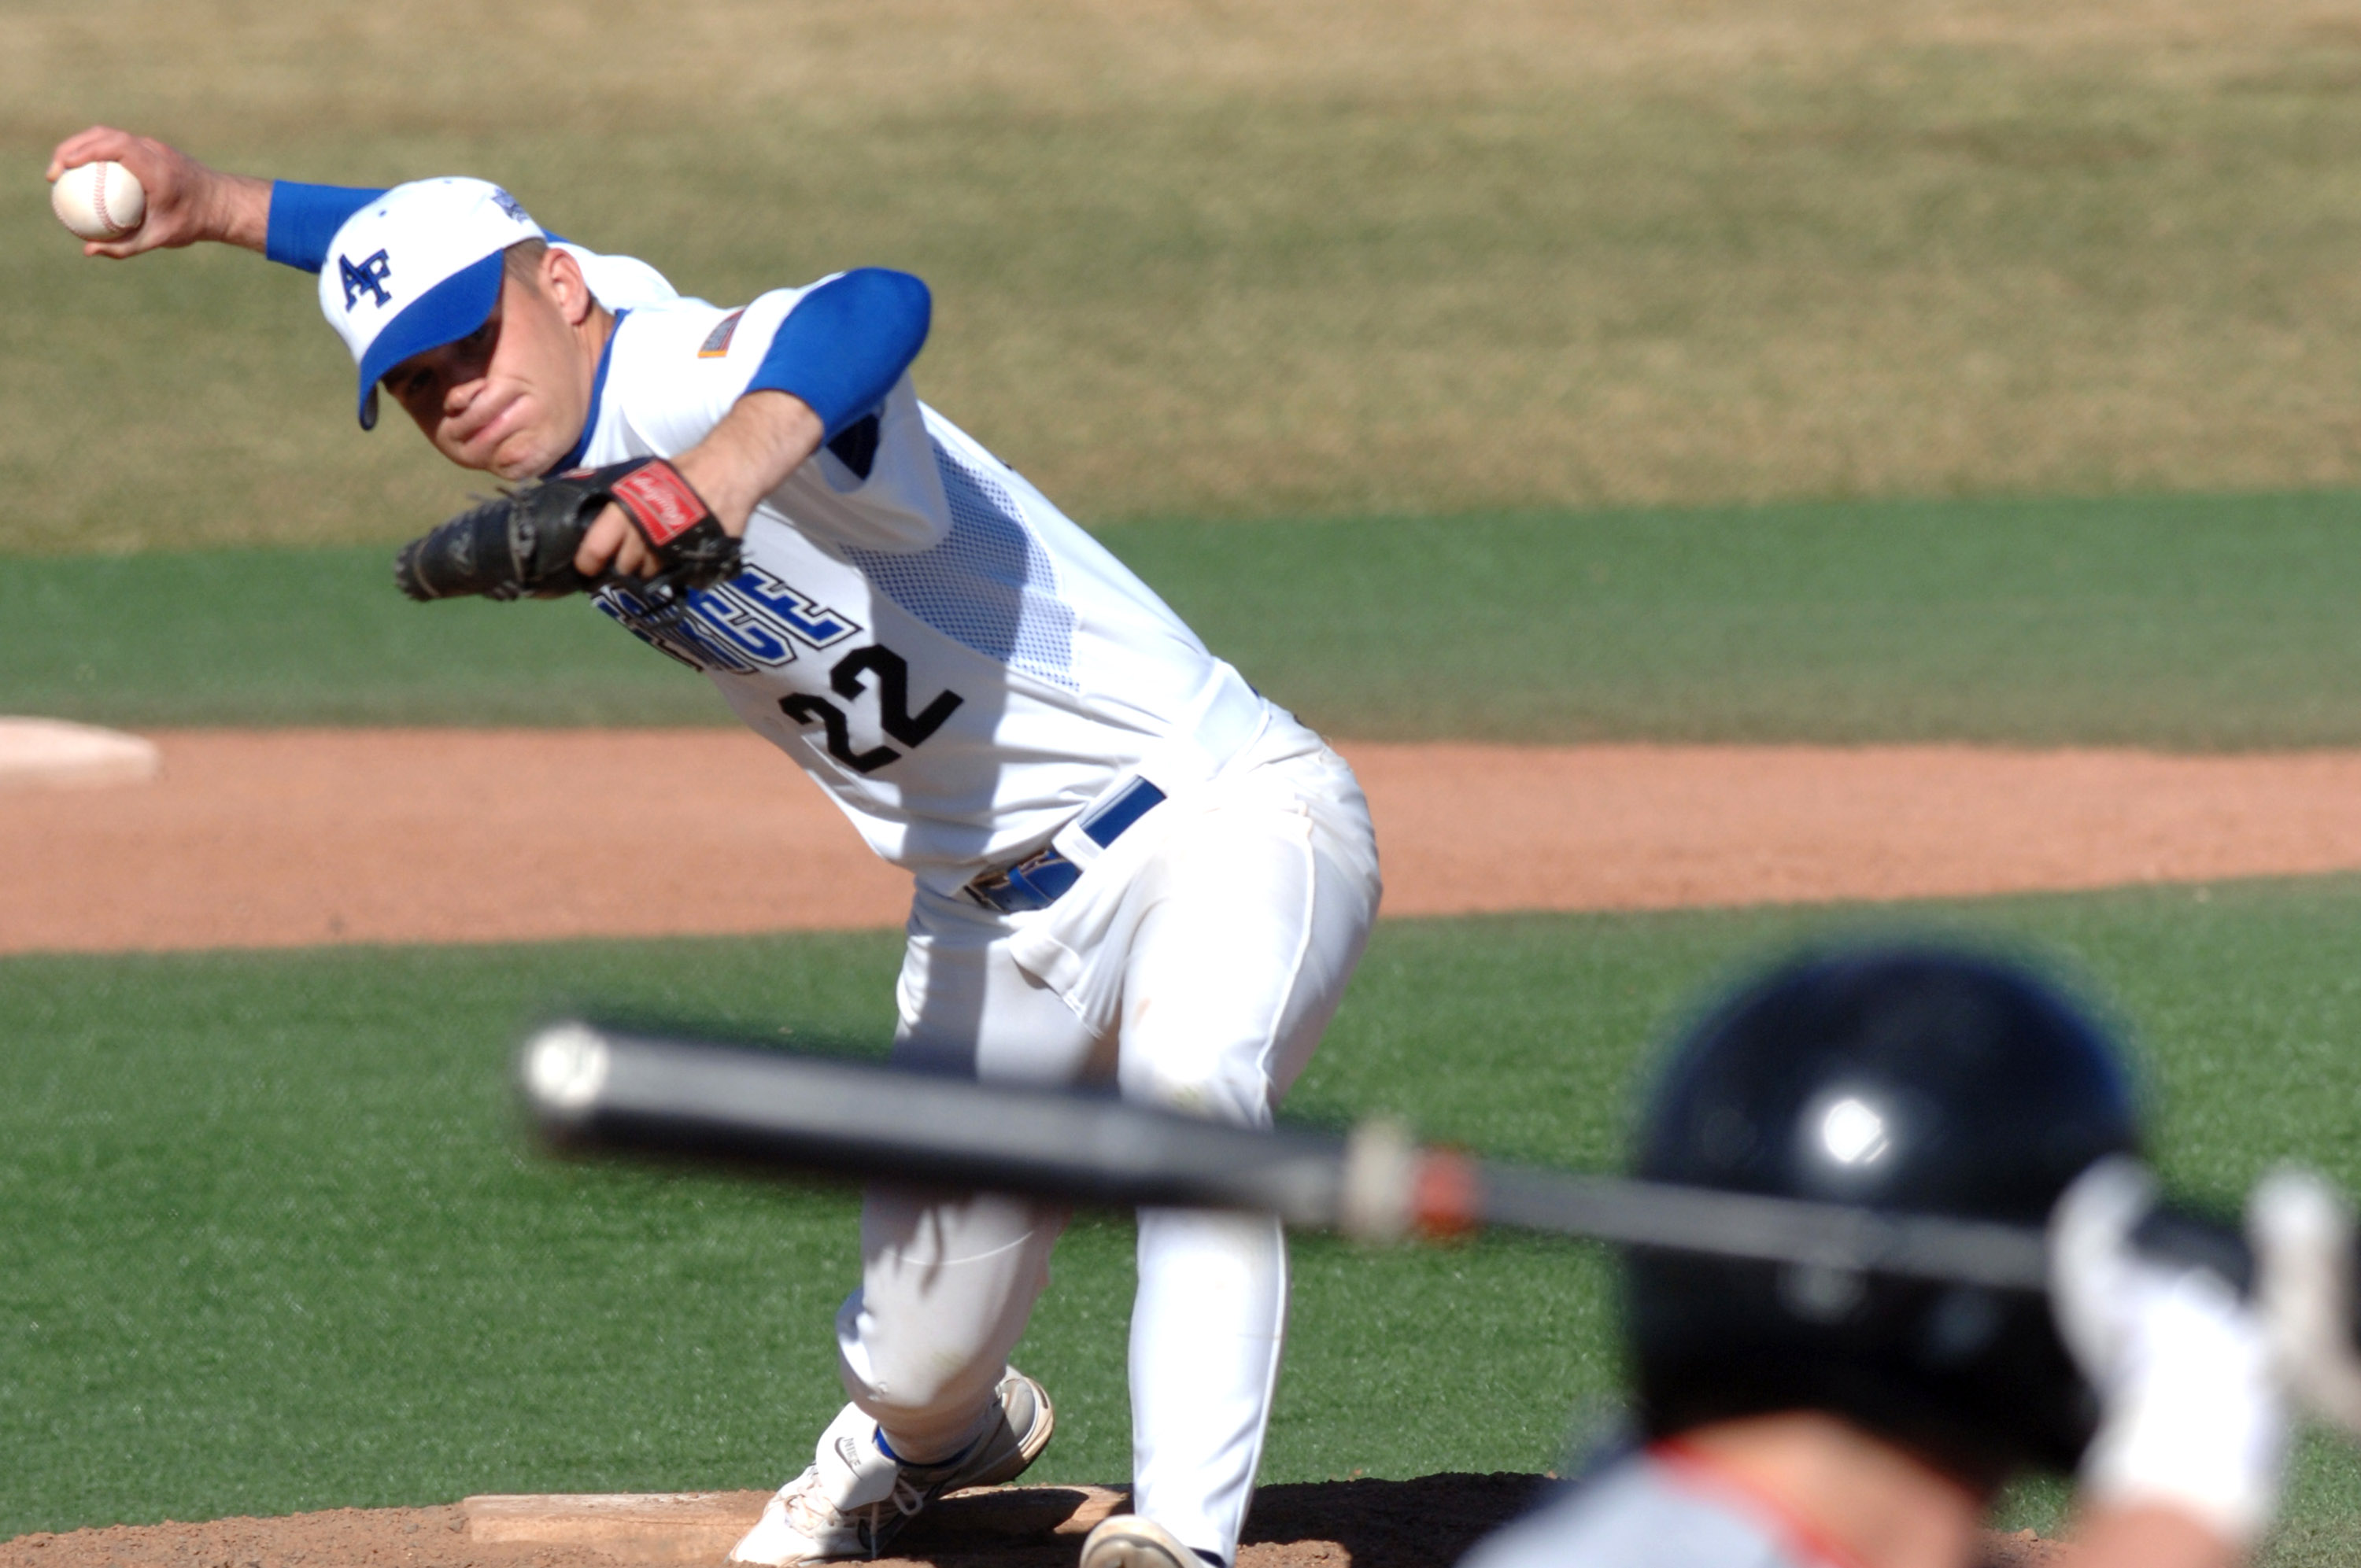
x: 589, y: 1089
x: 593, y: 1090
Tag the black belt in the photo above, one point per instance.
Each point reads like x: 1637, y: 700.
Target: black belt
x: 1040, y: 880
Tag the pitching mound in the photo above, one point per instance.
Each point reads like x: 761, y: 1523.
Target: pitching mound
x: 1425, y: 1523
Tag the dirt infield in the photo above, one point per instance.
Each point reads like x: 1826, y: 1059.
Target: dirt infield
x: 291, y: 837
x: 1425, y: 1523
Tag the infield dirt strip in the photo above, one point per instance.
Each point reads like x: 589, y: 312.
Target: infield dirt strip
x: 1425, y: 1523
x: 294, y: 838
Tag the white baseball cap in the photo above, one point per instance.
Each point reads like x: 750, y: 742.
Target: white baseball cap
x: 416, y: 269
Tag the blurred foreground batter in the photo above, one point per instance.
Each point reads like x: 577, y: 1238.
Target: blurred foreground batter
x: 1795, y: 1417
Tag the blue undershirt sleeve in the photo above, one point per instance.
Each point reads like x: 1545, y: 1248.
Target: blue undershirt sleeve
x: 846, y: 343
x: 304, y: 218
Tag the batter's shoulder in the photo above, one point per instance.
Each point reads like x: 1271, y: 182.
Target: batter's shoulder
x: 1632, y: 1514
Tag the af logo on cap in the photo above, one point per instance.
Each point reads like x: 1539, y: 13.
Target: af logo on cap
x: 449, y: 235
x: 369, y: 278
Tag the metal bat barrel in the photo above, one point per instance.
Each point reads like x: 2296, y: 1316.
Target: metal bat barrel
x: 592, y: 1089
x: 1770, y: 1230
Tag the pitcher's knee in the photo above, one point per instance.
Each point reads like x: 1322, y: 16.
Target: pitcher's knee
x: 925, y: 1388
x: 1217, y: 1087
x: 925, y: 1418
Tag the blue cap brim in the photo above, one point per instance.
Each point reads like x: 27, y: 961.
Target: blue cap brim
x: 444, y: 314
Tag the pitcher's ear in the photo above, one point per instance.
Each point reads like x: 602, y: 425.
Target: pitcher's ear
x: 562, y: 281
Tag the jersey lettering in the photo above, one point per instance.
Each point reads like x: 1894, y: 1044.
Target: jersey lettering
x: 752, y: 622
x: 893, y: 716
x: 812, y: 624
x: 742, y: 628
x: 690, y: 638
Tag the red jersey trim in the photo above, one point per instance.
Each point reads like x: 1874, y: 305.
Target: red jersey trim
x: 1701, y: 1473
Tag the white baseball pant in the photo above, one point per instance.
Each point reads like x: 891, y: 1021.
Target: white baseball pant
x: 1249, y: 921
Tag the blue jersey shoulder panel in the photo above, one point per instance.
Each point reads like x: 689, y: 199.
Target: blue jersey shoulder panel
x: 847, y: 342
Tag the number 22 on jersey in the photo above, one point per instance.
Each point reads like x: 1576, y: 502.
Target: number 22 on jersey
x: 849, y: 680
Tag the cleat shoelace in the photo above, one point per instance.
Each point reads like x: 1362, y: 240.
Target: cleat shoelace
x: 812, y: 1516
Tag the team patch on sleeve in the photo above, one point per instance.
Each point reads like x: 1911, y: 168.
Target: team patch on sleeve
x: 717, y: 342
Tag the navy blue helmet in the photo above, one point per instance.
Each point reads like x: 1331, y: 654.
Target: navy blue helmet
x: 1910, y: 1079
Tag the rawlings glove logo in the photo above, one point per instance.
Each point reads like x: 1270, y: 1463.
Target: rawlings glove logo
x: 525, y: 542
x: 661, y: 502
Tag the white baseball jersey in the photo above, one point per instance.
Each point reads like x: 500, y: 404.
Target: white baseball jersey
x: 960, y: 665
x: 621, y: 282
x: 972, y: 678
x: 968, y: 674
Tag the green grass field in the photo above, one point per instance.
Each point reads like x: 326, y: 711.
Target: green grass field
x: 1702, y: 372
x: 274, y: 1245
x: 2204, y: 623
x: 1246, y: 261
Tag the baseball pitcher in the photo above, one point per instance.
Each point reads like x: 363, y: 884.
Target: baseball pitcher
x: 1129, y: 866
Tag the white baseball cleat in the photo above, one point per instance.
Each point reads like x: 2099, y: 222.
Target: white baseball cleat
x: 1127, y: 1540
x: 855, y: 1496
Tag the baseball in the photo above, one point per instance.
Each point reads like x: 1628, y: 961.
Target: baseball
x: 99, y: 200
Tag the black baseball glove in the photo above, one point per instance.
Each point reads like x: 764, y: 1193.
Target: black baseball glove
x: 524, y: 541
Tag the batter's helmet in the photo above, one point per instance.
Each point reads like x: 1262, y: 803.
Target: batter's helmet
x: 1913, y: 1079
